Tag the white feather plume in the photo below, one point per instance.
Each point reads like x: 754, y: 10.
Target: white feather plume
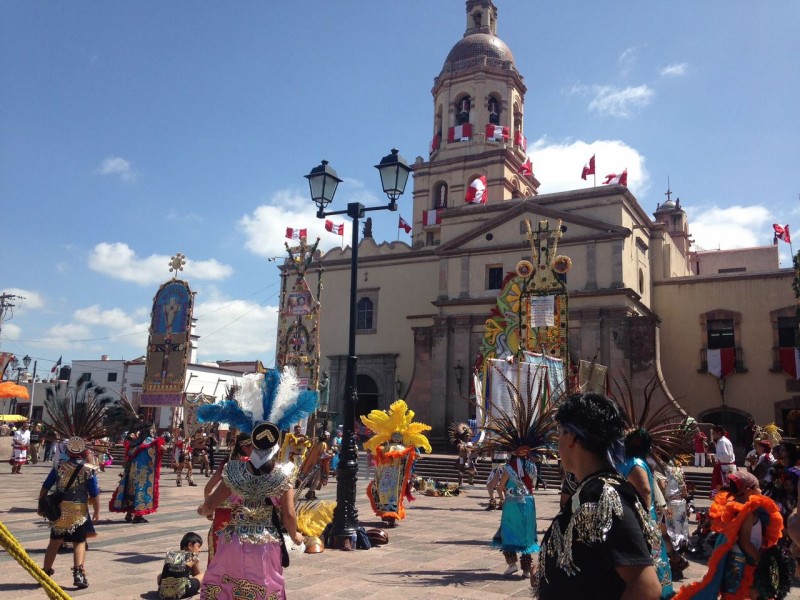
x: 249, y: 396
x: 287, y: 394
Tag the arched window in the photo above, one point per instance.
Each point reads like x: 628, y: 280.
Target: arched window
x: 463, y: 107
x: 494, y: 110
x: 365, y: 310
x: 440, y: 195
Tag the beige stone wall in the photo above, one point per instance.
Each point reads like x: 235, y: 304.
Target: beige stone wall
x: 680, y: 303
x: 753, y: 260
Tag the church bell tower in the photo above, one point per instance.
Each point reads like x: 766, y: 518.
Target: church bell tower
x: 477, y: 127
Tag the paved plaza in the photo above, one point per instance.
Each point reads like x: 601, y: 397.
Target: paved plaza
x: 441, y: 550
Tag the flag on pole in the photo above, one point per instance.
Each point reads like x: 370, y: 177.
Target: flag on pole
x: 476, y: 193
x: 520, y: 140
x: 526, y: 168
x: 295, y: 234
x: 431, y: 217
x: 588, y: 168
x: 621, y: 179
x: 782, y: 233
x: 435, y: 143
x: 58, y: 364
x: 402, y: 224
x: 333, y: 228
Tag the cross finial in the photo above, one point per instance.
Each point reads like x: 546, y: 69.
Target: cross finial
x: 668, y: 193
x: 176, y: 263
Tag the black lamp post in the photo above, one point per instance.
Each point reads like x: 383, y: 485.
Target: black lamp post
x: 323, y: 181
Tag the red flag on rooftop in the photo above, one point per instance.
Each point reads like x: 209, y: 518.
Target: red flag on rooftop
x: 295, y: 234
x: 476, y: 193
x: 402, y: 224
x: 526, y: 168
x: 588, y: 168
x: 55, y: 366
x: 782, y: 233
x: 621, y: 179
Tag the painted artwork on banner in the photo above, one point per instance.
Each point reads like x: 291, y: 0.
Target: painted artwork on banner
x: 169, y: 345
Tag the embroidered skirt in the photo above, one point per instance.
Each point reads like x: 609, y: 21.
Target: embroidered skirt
x: 241, y: 570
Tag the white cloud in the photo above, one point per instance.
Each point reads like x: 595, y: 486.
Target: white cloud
x: 118, y: 260
x: 265, y: 228
x: 67, y: 336
x: 118, y: 166
x: 732, y: 227
x: 235, y: 329
x: 113, y: 318
x: 11, y: 331
x: 674, y: 70
x: 627, y: 60
x: 558, y: 165
x: 616, y: 102
x: 27, y: 300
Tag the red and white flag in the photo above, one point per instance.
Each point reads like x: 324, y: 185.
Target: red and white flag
x: 496, y: 133
x: 431, y: 217
x: 334, y: 228
x: 790, y: 361
x: 526, y: 168
x: 476, y: 193
x: 402, y: 224
x: 435, y: 143
x: 520, y: 140
x: 588, y: 168
x: 460, y: 133
x: 55, y: 366
x: 621, y: 179
x: 782, y: 233
x: 721, y: 362
x: 296, y: 234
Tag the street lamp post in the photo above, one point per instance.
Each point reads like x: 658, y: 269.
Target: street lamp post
x: 322, y: 182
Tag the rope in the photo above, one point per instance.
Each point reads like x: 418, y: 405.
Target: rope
x: 11, y: 545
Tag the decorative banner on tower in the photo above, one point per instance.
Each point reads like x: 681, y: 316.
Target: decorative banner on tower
x: 543, y: 311
x: 169, y: 343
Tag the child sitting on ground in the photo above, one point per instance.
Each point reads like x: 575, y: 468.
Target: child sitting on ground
x: 181, y: 576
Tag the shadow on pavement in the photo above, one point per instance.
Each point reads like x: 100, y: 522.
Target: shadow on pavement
x: 456, y: 578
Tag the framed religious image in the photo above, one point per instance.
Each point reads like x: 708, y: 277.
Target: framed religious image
x: 300, y: 303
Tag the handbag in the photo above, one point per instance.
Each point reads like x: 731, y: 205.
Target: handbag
x: 50, y: 504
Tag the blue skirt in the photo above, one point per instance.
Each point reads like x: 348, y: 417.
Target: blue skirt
x: 517, y: 532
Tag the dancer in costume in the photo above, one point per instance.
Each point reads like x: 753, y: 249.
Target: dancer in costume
x: 747, y: 561
x: 20, y: 445
x: 493, y: 481
x: 222, y: 515
x: 295, y: 446
x: 248, y: 562
x: 137, y: 492
x: 677, y: 517
x: 526, y: 431
x: 636, y: 470
x: 336, y: 447
x: 394, y: 448
x: 460, y: 435
x: 77, y: 415
x: 598, y: 546
x: 316, y: 466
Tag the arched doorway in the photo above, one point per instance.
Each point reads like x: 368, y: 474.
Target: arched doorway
x: 367, y: 395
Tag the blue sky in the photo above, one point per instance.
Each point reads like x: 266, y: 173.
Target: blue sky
x: 132, y: 131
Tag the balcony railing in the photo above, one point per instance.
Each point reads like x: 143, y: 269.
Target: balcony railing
x: 738, y: 360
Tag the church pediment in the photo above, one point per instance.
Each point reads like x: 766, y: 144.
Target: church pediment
x: 503, y: 224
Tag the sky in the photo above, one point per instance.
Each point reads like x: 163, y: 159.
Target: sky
x: 133, y: 131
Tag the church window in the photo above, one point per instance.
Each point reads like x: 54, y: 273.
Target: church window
x: 462, y: 110
x: 494, y: 110
x: 367, y: 311
x: 494, y: 277
x: 440, y: 195
x: 641, y: 281
x: 112, y: 377
x: 720, y: 334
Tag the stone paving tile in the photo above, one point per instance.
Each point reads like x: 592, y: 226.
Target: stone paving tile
x: 441, y: 551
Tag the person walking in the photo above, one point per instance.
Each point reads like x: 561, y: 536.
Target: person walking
x: 20, y: 444
x: 700, y: 443
x: 725, y: 459
x: 36, y: 441
x: 599, y: 545
x: 138, y: 491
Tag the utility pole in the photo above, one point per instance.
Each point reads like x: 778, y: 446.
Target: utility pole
x: 7, y: 309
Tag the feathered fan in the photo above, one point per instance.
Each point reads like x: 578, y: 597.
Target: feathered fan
x: 531, y: 421
x: 669, y: 433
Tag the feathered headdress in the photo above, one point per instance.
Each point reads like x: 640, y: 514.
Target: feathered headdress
x: 770, y: 433
x: 666, y: 426
x: 459, y: 432
x: 274, y: 397
x: 395, y: 426
x: 78, y: 413
x: 529, y: 427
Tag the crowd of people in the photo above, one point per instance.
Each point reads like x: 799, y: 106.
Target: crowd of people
x: 622, y: 530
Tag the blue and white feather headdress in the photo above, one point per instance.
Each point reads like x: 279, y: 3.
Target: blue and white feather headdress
x: 274, y: 397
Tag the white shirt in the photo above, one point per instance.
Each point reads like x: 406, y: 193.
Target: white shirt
x: 724, y: 451
x: 22, y: 438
